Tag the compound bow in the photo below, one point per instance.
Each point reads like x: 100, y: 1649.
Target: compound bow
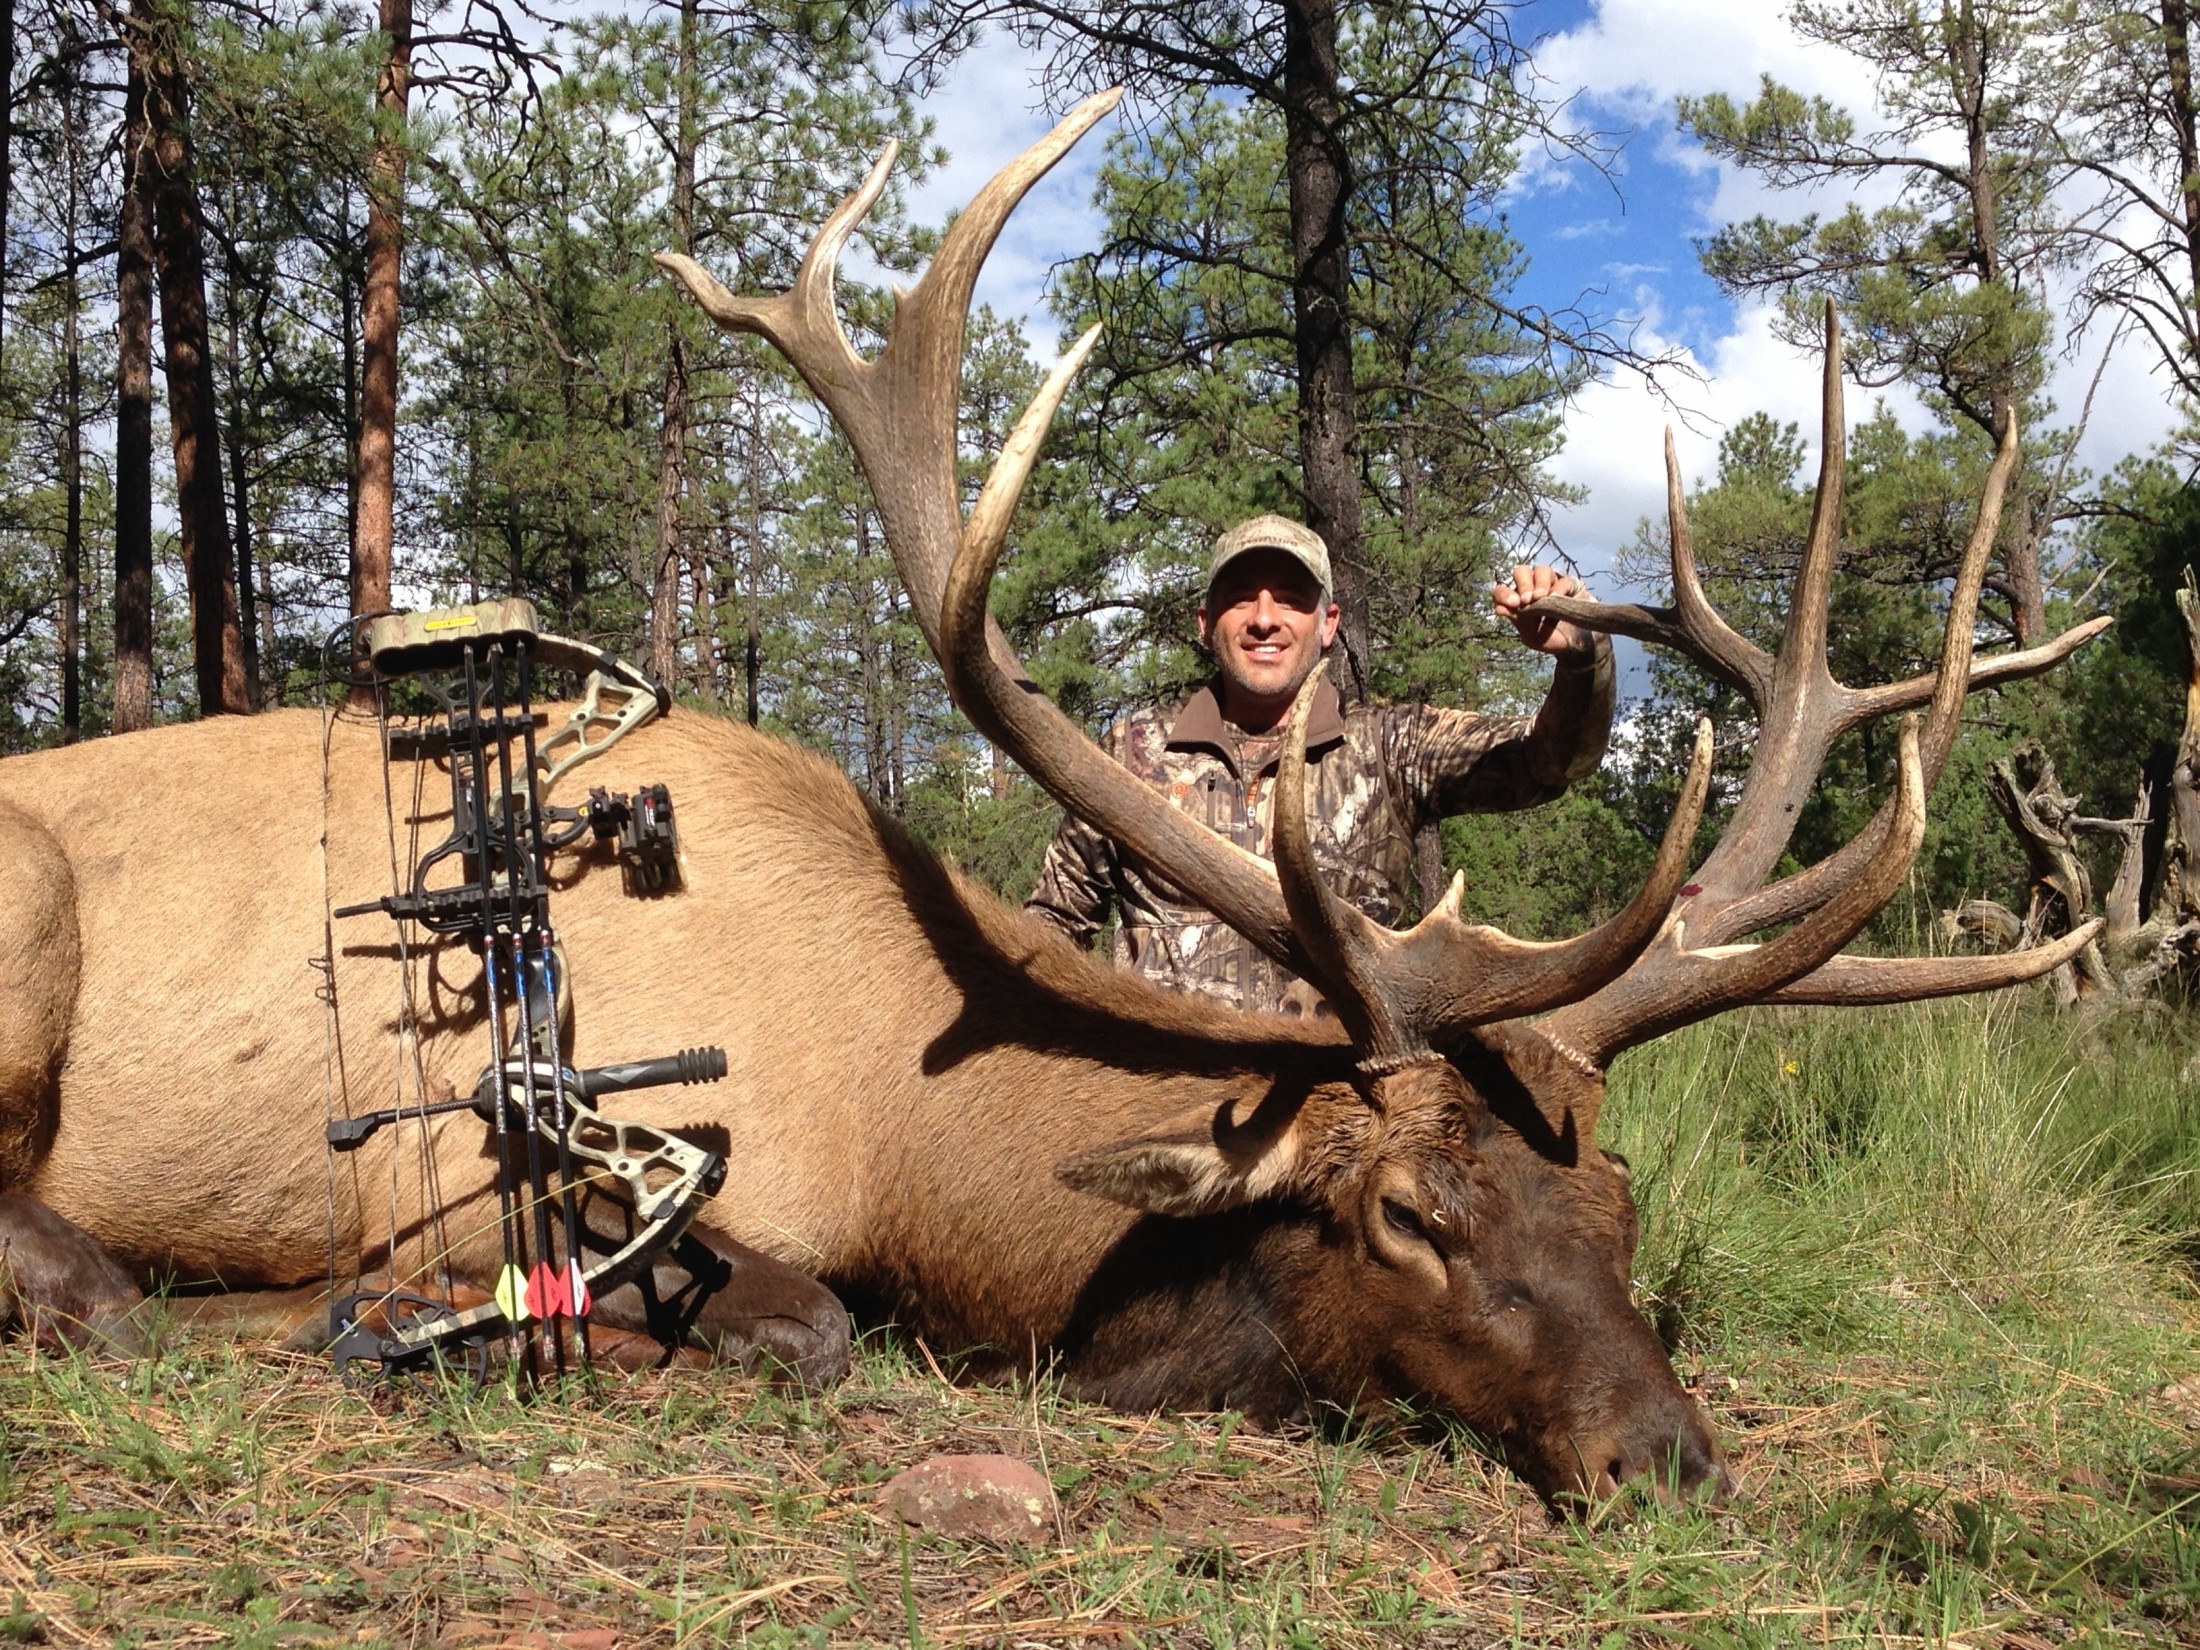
x: 487, y: 884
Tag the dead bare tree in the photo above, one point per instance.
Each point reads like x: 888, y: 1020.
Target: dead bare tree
x: 2141, y: 941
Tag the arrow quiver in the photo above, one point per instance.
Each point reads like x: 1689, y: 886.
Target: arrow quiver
x: 487, y: 885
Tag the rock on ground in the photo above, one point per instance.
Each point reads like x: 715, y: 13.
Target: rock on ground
x: 996, y: 1497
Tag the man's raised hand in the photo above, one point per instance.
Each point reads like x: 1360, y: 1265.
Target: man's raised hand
x: 1545, y: 635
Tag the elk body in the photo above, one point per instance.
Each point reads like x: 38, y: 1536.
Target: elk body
x: 935, y: 1106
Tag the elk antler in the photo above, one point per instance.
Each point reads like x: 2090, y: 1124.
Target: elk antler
x: 899, y: 416
x: 1399, y: 993
x: 1693, y: 969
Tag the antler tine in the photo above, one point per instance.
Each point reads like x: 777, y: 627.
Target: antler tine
x: 923, y: 356
x: 1697, y: 984
x: 1950, y: 683
x: 1869, y: 980
x: 898, y: 412
x: 988, y: 684
x: 1802, y: 657
x: 1724, y: 649
x: 1340, y: 941
x: 1443, y: 976
x: 803, y: 320
x: 1470, y: 976
x: 1691, y: 625
x: 1870, y: 704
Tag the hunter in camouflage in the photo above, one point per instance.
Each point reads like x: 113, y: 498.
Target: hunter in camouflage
x: 1381, y: 771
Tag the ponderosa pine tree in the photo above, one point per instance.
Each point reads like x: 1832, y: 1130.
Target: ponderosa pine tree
x: 1945, y: 289
x: 1338, y: 96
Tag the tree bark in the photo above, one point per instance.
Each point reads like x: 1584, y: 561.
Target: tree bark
x: 752, y: 650
x: 1320, y: 187
x: 373, y: 543
x: 871, y: 677
x: 202, y: 517
x: 706, y: 624
x: 133, y: 687
x: 72, y: 486
x: 664, y: 584
x: 2177, y: 56
x: 7, y: 155
x: 672, y: 433
x: 240, y: 496
x: 2021, y: 557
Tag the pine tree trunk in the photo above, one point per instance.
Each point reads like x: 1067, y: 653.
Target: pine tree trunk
x: 1320, y: 188
x: 664, y: 584
x: 348, y: 306
x: 672, y: 434
x: 706, y: 623
x: 72, y: 486
x: 374, y: 539
x: 133, y: 685
x: 752, y: 651
x: 7, y: 154
x: 179, y: 250
x: 2177, y: 57
x: 870, y: 679
x: 2021, y: 555
x: 240, y: 495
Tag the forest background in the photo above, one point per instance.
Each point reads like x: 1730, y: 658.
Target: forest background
x: 308, y: 310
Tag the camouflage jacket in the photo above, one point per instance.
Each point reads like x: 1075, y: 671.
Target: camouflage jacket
x: 1382, y: 772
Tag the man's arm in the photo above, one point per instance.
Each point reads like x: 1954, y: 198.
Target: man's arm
x: 1444, y: 762
x: 1076, y: 882
x: 1573, y: 729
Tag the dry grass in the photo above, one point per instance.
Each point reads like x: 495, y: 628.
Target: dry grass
x: 230, y: 1497
x: 1932, y: 1270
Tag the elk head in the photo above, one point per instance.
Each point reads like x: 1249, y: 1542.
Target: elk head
x: 1461, y: 1241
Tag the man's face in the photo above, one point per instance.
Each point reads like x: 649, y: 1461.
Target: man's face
x: 1267, y: 624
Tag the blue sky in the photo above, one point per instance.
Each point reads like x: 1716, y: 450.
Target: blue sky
x: 1628, y: 242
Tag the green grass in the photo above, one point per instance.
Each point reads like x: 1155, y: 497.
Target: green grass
x: 1931, y: 1269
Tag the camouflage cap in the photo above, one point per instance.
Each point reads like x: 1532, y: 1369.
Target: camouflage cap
x: 1302, y: 544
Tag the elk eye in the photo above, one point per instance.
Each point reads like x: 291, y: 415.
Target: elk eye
x: 1403, y: 1218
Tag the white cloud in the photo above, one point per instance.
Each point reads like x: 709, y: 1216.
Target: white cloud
x: 1638, y: 55
x: 1633, y: 57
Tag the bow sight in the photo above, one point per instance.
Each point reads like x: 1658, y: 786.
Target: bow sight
x: 487, y: 885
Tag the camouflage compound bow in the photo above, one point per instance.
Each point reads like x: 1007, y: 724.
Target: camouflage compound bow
x: 487, y: 884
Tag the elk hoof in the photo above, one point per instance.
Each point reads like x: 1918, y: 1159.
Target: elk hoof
x: 802, y: 1339
x: 772, y: 1319
x: 61, y: 1288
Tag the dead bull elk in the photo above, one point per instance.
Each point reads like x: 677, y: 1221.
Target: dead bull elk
x: 934, y: 1106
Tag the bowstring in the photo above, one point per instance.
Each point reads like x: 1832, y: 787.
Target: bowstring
x: 335, y: 1067
x: 434, y: 1250
x: 431, y: 1176
x: 332, y: 1033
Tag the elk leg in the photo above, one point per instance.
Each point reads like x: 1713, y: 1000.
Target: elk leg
x: 59, y: 1286
x: 742, y: 1305
x: 40, y: 953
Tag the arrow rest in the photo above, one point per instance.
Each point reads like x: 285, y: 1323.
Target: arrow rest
x: 488, y: 885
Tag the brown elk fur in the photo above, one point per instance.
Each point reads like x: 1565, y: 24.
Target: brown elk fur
x: 910, y: 1065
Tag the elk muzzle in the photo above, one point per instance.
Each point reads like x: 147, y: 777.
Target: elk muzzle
x: 1654, y: 1438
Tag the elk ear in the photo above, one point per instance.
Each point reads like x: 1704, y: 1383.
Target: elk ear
x: 1201, y: 1168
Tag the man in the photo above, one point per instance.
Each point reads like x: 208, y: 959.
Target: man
x: 1382, y: 771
